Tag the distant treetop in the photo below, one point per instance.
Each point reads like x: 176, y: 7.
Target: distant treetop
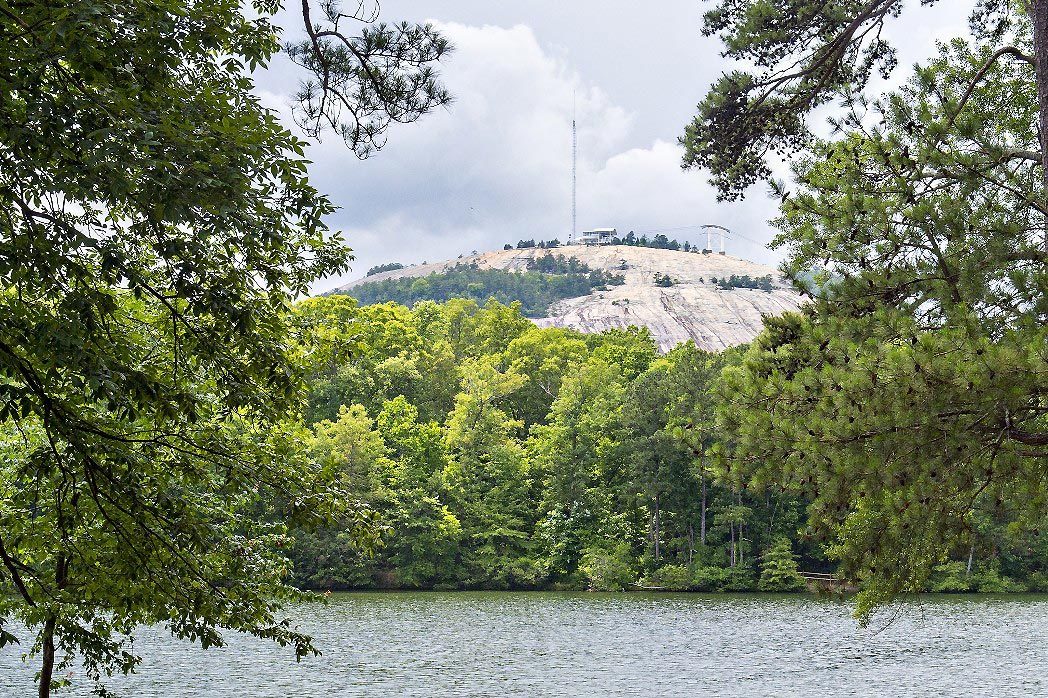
x: 547, y: 279
x: 391, y: 266
x: 660, y: 242
x: 542, y: 244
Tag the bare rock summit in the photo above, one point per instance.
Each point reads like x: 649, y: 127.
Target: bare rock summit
x: 692, y: 308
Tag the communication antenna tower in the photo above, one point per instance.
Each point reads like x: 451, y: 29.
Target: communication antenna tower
x: 574, y: 162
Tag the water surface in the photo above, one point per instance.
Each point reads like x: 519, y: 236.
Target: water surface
x: 539, y: 644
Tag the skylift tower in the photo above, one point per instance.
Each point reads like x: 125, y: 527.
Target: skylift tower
x: 723, y: 231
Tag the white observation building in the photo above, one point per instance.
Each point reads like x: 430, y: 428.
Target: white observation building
x: 597, y: 236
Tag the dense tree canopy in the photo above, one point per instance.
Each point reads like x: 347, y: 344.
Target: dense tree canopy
x: 548, y: 279
x: 550, y: 458
x: 541, y: 458
x: 909, y: 398
x: 155, y: 224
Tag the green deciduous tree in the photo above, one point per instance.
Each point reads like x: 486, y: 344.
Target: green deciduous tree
x: 660, y: 462
x: 155, y: 223
x: 609, y: 568
x: 488, y: 481
x: 544, y: 356
x: 578, y: 456
x: 352, y: 454
x: 424, y: 535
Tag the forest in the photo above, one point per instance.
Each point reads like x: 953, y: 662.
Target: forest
x: 183, y: 438
x: 489, y: 453
x: 547, y: 280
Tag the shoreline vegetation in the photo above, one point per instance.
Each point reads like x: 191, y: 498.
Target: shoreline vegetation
x: 486, y: 453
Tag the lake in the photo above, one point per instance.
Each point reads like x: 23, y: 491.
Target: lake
x: 578, y: 644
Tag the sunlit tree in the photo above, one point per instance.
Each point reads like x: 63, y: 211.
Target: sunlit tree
x: 155, y: 224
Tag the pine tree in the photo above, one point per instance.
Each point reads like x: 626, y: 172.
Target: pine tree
x: 831, y: 48
x: 912, y: 392
x: 779, y: 568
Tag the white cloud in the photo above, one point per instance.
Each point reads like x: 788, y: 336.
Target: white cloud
x: 645, y: 190
x: 496, y: 167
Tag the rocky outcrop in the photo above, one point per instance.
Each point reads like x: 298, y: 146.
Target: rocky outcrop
x: 692, y: 308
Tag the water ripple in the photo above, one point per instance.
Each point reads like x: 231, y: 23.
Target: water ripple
x: 538, y: 644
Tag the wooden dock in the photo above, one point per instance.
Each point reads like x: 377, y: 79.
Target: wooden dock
x: 825, y: 582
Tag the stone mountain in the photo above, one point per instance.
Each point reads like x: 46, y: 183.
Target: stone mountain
x: 691, y: 308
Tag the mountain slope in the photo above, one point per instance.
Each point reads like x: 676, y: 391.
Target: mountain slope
x: 692, y: 308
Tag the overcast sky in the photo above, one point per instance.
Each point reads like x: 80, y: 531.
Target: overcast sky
x: 495, y: 167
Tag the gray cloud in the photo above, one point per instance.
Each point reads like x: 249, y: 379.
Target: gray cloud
x: 495, y: 166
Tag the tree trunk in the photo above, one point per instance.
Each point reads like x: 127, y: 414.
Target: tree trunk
x: 971, y: 555
x: 658, y: 551
x: 1038, y: 10
x: 691, y: 541
x: 1039, y: 19
x: 47, y: 635
x: 702, y: 516
x: 742, y: 525
x: 731, y: 528
x: 741, y: 528
x: 47, y: 664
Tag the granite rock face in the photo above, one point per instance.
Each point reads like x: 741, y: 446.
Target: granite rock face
x: 692, y: 308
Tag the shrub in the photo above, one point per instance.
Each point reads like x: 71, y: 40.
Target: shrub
x: 709, y: 578
x: 663, y: 280
x: 1037, y: 581
x: 608, y: 569
x: 951, y: 578
x: 991, y: 581
x: 740, y: 579
x: 670, y: 577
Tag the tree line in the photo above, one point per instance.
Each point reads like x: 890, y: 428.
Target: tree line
x: 493, y: 454
x: 763, y: 283
x: 547, y: 280
x: 659, y: 241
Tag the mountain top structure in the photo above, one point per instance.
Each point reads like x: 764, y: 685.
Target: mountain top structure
x: 687, y: 304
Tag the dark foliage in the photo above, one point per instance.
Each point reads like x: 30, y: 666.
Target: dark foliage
x: 663, y: 280
x: 548, y: 280
x: 378, y: 269
x: 745, y: 281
